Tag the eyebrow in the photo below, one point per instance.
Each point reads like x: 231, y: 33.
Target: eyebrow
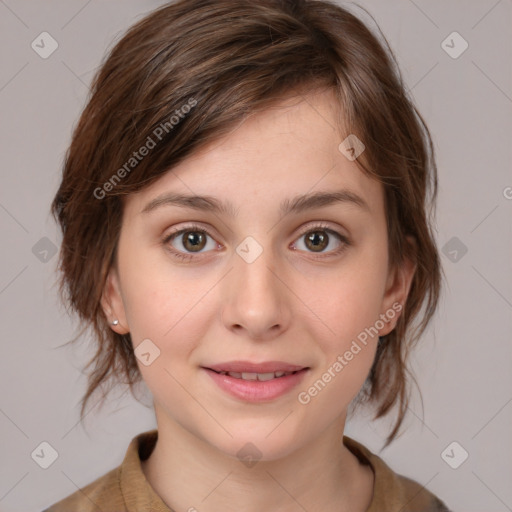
x: 288, y: 206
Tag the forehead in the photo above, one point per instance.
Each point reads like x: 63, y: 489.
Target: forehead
x: 288, y: 149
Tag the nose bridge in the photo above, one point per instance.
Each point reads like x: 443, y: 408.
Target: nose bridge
x: 253, y: 267
x: 256, y: 299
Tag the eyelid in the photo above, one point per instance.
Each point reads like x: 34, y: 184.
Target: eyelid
x: 189, y: 227
x: 323, y: 226
x: 312, y: 226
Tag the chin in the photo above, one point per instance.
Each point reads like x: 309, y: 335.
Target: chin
x: 250, y: 446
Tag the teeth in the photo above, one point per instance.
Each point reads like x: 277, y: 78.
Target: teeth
x: 250, y: 376
x: 265, y: 376
x: 256, y: 376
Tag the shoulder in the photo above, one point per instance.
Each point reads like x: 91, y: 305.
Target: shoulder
x: 414, y: 497
x: 122, y: 488
x: 393, y: 491
x: 104, y: 493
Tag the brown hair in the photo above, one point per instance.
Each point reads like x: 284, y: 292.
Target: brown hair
x: 227, y: 59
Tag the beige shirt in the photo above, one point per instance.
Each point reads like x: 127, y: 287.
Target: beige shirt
x: 125, y: 488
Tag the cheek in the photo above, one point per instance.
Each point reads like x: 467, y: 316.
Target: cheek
x: 346, y: 350
x: 344, y: 318
x: 157, y: 296
x: 169, y: 319
x: 348, y: 303
x: 170, y: 315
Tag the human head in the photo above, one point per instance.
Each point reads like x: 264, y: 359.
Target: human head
x: 189, y: 73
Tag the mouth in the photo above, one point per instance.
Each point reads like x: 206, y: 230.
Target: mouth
x: 256, y: 382
x: 248, y: 370
x: 257, y: 376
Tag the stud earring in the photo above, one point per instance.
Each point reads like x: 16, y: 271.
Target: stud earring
x: 115, y: 322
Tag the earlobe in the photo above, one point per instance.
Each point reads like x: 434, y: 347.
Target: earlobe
x: 397, y: 290
x: 112, y: 303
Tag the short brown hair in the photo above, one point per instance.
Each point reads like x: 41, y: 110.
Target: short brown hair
x: 233, y: 58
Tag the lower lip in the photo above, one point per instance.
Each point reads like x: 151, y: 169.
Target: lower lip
x: 255, y: 390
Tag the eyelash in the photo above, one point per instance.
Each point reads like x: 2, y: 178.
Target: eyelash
x: 194, y: 227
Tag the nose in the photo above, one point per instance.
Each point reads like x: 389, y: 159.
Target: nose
x: 256, y: 298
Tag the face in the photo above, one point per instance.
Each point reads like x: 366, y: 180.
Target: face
x: 285, y: 261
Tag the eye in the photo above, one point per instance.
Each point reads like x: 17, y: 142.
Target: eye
x: 185, y: 243
x: 320, y: 239
x: 189, y: 240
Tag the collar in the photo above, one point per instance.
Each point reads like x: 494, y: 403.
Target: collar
x: 390, y: 490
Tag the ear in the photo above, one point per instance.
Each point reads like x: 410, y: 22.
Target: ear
x: 397, y: 289
x: 113, y: 304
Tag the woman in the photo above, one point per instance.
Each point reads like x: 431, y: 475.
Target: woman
x: 244, y: 211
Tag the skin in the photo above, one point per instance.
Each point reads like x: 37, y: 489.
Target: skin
x: 291, y: 304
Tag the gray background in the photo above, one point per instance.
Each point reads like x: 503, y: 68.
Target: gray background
x: 464, y: 363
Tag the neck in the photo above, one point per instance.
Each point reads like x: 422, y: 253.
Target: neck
x: 190, y: 474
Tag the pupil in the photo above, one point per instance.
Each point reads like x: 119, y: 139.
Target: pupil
x: 194, y: 240
x: 318, y: 239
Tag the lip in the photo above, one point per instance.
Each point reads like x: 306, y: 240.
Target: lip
x: 255, y: 390
x: 250, y: 367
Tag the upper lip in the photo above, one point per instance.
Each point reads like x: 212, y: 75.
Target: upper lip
x: 249, y: 367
